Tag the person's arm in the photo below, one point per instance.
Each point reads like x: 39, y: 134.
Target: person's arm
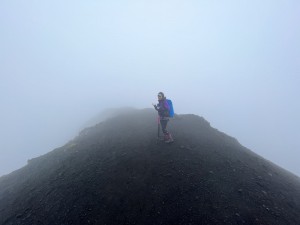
x: 155, y: 106
x: 163, y: 109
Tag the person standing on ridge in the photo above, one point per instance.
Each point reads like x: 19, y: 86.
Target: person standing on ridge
x: 163, y: 109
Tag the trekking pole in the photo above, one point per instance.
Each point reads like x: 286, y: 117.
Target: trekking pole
x: 158, y: 128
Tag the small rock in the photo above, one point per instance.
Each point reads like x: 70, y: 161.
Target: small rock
x: 266, y: 207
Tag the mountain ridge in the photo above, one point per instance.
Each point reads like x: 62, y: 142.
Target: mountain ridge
x: 116, y: 173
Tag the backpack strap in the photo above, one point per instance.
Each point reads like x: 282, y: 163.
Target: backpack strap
x: 166, y: 105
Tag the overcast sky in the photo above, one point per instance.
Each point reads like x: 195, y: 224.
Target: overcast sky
x: 236, y: 63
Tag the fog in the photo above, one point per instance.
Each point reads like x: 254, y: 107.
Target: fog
x: 236, y: 63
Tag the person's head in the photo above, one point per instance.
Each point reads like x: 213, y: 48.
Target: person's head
x: 160, y: 96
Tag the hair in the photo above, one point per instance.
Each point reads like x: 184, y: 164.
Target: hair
x: 162, y: 94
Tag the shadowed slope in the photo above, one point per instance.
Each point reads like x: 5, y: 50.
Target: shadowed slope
x: 116, y: 173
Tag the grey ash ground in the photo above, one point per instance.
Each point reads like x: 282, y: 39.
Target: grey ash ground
x: 116, y: 173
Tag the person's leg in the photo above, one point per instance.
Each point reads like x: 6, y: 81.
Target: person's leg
x: 164, y: 126
x: 167, y: 136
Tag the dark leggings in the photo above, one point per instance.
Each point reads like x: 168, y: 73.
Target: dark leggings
x: 164, y: 124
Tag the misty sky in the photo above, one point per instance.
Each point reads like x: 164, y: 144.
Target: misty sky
x: 236, y: 63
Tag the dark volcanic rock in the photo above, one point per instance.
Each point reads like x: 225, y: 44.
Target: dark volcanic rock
x: 116, y: 173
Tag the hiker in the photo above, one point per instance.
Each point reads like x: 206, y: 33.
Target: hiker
x: 163, y: 109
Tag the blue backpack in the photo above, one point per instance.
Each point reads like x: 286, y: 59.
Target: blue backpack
x: 171, y: 110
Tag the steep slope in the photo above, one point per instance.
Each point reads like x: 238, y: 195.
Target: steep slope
x: 116, y: 173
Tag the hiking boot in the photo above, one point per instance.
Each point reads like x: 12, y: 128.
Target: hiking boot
x: 166, y: 137
x: 169, y: 138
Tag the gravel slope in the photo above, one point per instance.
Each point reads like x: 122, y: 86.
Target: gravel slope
x: 116, y: 173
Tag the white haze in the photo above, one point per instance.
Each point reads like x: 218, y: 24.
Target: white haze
x: 236, y: 63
